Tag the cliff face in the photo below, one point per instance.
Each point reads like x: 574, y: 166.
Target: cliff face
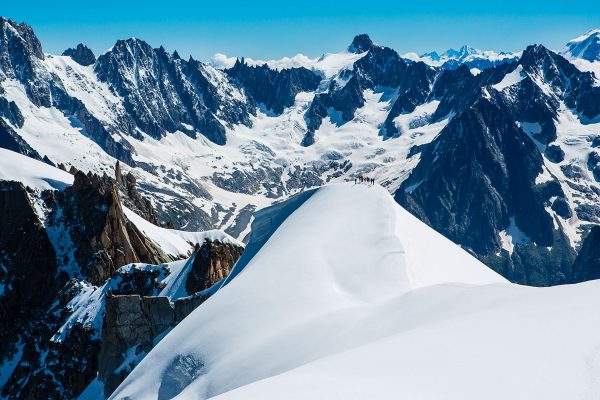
x: 27, y: 260
x: 213, y: 262
x: 101, y: 233
x: 53, y: 244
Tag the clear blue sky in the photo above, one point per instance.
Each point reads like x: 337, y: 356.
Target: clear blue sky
x: 272, y: 29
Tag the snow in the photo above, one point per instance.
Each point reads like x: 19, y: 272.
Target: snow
x: 487, y: 342
x: 52, y: 134
x: 81, y: 82
x: 470, y: 55
x: 342, y: 271
x: 583, y: 37
x: 32, y: 173
x: 587, y: 66
x: 513, y: 236
x: 510, y: 79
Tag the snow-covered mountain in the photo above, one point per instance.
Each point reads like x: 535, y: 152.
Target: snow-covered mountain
x: 585, y: 46
x: 475, y: 59
x: 208, y: 147
x: 501, y: 158
x: 372, y: 303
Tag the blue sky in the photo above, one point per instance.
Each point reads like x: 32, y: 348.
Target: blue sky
x: 272, y: 29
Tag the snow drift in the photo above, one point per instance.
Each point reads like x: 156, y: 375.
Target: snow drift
x: 348, y: 268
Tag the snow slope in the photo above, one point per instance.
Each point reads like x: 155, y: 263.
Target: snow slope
x: 32, y: 173
x: 328, y: 280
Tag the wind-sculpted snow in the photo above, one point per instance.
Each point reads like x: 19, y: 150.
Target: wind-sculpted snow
x: 321, y: 284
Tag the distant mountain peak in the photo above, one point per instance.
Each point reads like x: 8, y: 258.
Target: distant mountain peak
x: 586, y: 46
x: 461, y: 53
x: 81, y: 54
x: 360, y: 44
x: 433, y: 55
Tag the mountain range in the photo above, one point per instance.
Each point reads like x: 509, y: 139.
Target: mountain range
x: 133, y: 181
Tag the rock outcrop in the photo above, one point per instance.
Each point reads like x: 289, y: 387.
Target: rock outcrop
x: 81, y: 54
x: 103, y: 236
x: 29, y: 278
x: 276, y: 90
x: 132, y: 198
x: 212, y: 262
x: 164, y: 93
x: 587, y: 263
x: 135, y: 318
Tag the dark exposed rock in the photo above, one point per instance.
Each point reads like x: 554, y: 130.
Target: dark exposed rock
x: 554, y: 153
x: 9, y: 139
x: 20, y: 55
x: 212, y: 262
x: 561, y: 207
x: 103, y: 236
x: 380, y: 67
x: 130, y: 321
x: 81, y: 54
x: 133, y: 321
x: 360, y: 44
x: 275, y: 89
x: 588, y: 48
x: 475, y: 175
x: 127, y: 185
x: 27, y: 260
x: 50, y: 367
x: 163, y: 93
x: 10, y: 111
x: 587, y: 263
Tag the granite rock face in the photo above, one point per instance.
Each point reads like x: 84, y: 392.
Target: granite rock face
x: 212, y: 262
x: 135, y: 318
x: 28, y: 267
x: 164, y: 93
x: 103, y: 236
x: 587, y: 263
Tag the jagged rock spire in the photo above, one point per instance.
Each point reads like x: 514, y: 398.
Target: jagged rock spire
x: 81, y: 54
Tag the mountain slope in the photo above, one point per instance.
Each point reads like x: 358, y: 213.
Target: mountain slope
x: 207, y: 147
x: 336, y: 274
x: 370, y: 302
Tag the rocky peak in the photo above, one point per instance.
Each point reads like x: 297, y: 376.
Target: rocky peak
x: 164, y: 94
x: 13, y: 31
x: 21, y: 58
x: 131, y: 197
x: 360, y: 44
x: 433, y: 55
x: 104, y: 237
x: 81, y: 54
x: 275, y: 89
x: 587, y: 263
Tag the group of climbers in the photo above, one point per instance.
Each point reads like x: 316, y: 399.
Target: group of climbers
x: 364, y: 179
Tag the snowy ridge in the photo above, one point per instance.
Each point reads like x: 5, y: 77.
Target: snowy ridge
x: 32, y: 173
x: 326, y: 274
x: 379, y: 307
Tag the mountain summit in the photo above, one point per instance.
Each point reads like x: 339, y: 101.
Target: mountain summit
x: 360, y: 44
